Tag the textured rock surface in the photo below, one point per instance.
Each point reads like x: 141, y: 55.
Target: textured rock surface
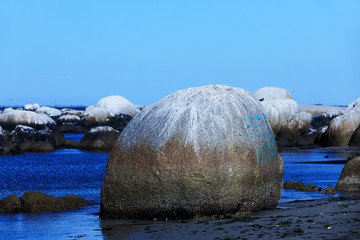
x: 278, y: 106
x: 73, y: 202
x: 10, y: 204
x: 199, y: 151
x: 342, y: 128
x: 99, y: 139
x: 41, y: 202
x: 293, y: 128
x: 349, y: 180
x: 13, y: 118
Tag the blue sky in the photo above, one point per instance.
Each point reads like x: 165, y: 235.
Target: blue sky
x: 76, y: 52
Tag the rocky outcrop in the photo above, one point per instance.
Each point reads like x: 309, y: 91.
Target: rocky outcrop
x: 27, y: 139
x: 349, y: 180
x: 99, y: 139
x: 278, y: 106
x: 10, y: 119
x: 300, y: 186
x: 51, y: 112
x: 200, y: 151
x: 6, y: 146
x: 108, y: 107
x: 40, y: 202
x: 10, y: 204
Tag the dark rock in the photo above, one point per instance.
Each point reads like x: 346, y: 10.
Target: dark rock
x: 310, y: 188
x: 69, y: 143
x: 349, y: 180
x: 10, y: 204
x: 355, y: 139
x: 328, y: 190
x: 99, y: 139
x: 293, y: 185
x: 119, y: 121
x: 73, y: 202
x: 27, y: 139
x: 198, y: 152
x: 6, y: 146
x: 41, y: 202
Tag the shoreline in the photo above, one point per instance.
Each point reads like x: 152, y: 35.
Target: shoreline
x: 330, y: 218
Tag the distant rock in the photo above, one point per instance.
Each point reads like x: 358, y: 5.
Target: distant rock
x: 29, y: 107
x: 10, y: 119
x: 51, y: 112
x: 349, y: 180
x: 293, y: 185
x: 71, y: 124
x: 69, y: 143
x: 278, y: 106
x: 40, y: 202
x: 73, y: 202
x: 108, y: 107
x: 6, y: 146
x: 69, y: 111
x: 295, y: 127
x: 27, y: 139
x: 328, y: 190
x: 99, y: 139
x: 342, y: 128
x: 197, y: 152
x: 10, y: 204
x: 119, y: 121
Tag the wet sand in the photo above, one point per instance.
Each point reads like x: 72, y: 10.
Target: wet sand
x: 331, y: 218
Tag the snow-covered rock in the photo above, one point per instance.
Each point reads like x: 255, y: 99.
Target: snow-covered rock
x: 52, y: 112
x: 203, y: 150
x: 68, y: 111
x: 29, y: 107
x: 326, y: 111
x: 270, y: 93
x: 7, y: 110
x: 69, y: 118
x: 354, y: 104
x: 21, y: 117
x: 102, y: 129
x: 36, y: 106
x: 109, y: 107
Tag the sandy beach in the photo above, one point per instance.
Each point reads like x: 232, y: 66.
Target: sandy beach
x: 332, y: 218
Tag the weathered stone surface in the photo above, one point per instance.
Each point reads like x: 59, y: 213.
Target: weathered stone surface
x: 355, y: 139
x: 6, y: 146
x: 10, y: 204
x: 342, y: 128
x: 99, y: 139
x: 10, y: 119
x: 293, y: 185
x: 310, y: 188
x: 349, y: 180
x: 41, y: 202
x: 73, y: 202
x: 328, y: 190
x: 69, y: 143
x: 199, y: 151
x: 278, y: 106
x: 296, y: 126
x: 27, y: 139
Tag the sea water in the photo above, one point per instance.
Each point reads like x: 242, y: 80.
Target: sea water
x: 71, y: 171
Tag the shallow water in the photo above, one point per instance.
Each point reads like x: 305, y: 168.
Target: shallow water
x: 71, y: 171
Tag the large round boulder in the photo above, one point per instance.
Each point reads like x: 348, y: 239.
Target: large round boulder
x: 200, y: 151
x: 349, y: 180
x: 278, y: 106
x: 342, y: 128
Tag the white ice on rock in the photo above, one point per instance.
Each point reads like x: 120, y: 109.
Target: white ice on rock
x: 215, y: 116
x: 269, y: 93
x: 354, y: 104
x: 69, y: 118
x: 52, y: 112
x: 103, y: 129
x: 29, y: 107
x: 109, y: 107
x: 278, y: 106
x: 25, y: 117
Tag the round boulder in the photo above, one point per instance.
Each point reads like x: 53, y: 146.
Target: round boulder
x: 197, y: 152
x: 10, y: 119
x: 10, y: 204
x: 278, y: 106
x: 99, y: 139
x: 349, y: 180
x: 342, y: 128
